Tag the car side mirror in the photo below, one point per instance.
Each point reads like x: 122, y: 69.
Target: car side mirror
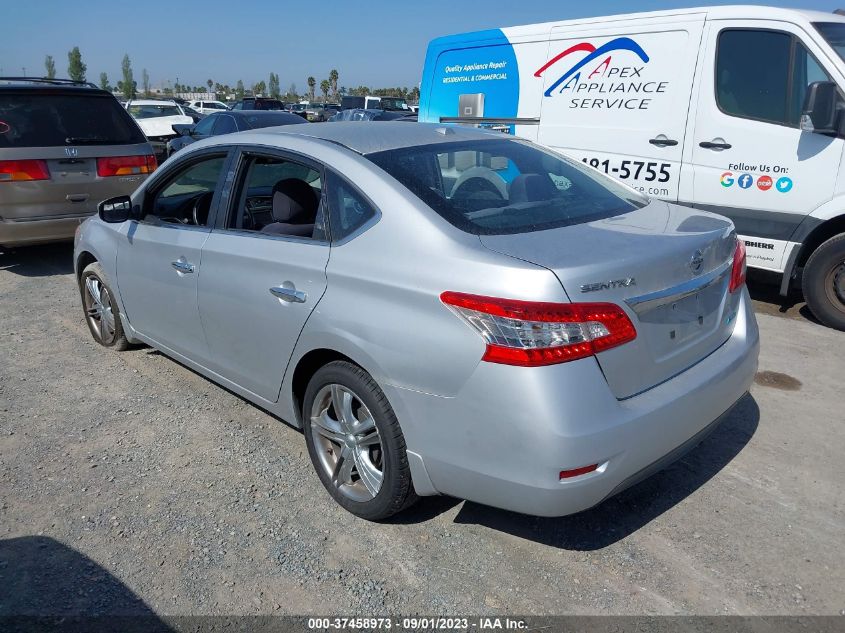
x: 819, y: 113
x: 182, y: 129
x: 115, y: 210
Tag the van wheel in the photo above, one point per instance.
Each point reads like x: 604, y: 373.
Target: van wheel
x: 824, y: 282
x: 101, y: 311
x: 355, y: 443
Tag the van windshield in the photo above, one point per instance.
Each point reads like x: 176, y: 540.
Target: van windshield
x: 496, y: 187
x: 834, y: 34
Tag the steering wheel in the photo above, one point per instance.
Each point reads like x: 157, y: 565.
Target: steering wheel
x: 201, y: 208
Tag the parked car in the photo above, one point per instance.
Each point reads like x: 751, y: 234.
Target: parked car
x: 195, y: 115
x: 208, y: 107
x: 258, y: 103
x: 226, y: 123
x: 763, y: 148
x: 370, y: 102
x: 319, y: 112
x: 156, y: 119
x: 297, y: 108
x: 64, y: 147
x: 440, y: 309
x: 358, y: 114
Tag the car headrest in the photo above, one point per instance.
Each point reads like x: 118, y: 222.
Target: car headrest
x: 294, y: 202
x: 532, y: 188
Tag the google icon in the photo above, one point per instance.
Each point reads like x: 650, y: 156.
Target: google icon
x: 727, y: 179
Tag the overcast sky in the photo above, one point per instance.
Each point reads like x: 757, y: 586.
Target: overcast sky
x: 378, y: 44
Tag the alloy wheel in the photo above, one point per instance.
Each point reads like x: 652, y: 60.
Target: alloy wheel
x: 348, y: 442
x: 99, y: 310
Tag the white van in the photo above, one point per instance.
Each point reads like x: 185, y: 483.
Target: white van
x: 737, y: 110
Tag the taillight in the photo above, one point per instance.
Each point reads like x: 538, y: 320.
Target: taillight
x: 531, y: 334
x: 126, y: 165
x: 738, y: 270
x: 21, y: 170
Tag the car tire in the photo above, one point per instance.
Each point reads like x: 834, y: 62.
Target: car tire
x: 823, y: 282
x: 350, y: 448
x: 100, y: 308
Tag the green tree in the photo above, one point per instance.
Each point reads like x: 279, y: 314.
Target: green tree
x: 50, y: 67
x: 311, y: 84
x: 291, y: 95
x: 104, y: 82
x: 325, y: 86
x: 259, y: 88
x: 75, y: 66
x: 145, y: 82
x: 127, y: 86
x: 414, y: 95
x: 273, y: 86
x: 333, y: 77
x: 239, y: 90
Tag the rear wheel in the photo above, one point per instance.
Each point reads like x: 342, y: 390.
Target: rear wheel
x: 101, y: 311
x: 823, y: 282
x: 355, y: 442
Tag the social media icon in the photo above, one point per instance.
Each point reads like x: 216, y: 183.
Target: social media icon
x: 745, y: 181
x: 784, y: 184
x: 764, y: 183
x: 727, y: 179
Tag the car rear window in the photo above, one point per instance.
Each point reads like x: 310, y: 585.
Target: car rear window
x: 49, y: 120
x: 494, y: 187
x: 146, y: 111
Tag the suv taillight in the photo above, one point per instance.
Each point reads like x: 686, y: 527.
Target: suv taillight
x: 531, y: 334
x: 21, y: 170
x: 126, y: 165
x: 738, y: 270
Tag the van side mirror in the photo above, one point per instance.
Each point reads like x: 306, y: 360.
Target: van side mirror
x: 820, y: 113
x: 115, y: 210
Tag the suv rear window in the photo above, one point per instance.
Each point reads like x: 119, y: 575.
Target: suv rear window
x: 48, y: 119
x: 495, y: 187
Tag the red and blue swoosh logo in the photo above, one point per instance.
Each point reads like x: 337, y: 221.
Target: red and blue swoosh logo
x: 593, y: 53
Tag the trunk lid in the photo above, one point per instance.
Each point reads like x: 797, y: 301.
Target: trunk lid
x: 163, y: 125
x: 667, y: 266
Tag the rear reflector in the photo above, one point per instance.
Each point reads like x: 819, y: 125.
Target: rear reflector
x: 126, y: 165
x: 738, y: 270
x: 21, y: 170
x: 532, y: 334
x: 567, y: 474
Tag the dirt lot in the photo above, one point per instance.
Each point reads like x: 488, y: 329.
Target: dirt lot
x: 129, y: 483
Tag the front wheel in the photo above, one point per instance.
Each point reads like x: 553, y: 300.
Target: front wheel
x: 101, y: 311
x: 355, y: 443
x: 823, y: 282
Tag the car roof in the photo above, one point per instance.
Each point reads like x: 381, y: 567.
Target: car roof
x: 43, y: 83
x: 365, y: 137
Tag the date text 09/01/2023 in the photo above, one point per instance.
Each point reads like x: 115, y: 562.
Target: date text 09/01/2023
x: 417, y: 623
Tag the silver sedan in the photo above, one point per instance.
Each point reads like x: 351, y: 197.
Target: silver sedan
x: 442, y: 310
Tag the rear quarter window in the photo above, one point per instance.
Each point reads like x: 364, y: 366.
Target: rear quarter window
x: 53, y: 119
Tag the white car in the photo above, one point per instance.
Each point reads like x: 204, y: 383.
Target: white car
x: 208, y: 107
x: 156, y: 119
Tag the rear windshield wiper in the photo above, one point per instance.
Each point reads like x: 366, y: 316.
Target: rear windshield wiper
x: 82, y: 140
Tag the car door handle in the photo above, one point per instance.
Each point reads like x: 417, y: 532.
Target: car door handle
x: 663, y: 142
x: 182, y: 266
x: 712, y: 145
x: 291, y: 295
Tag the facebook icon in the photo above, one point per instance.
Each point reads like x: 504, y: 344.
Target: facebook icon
x: 745, y: 181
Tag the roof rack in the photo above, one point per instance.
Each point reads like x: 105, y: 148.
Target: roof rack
x: 54, y: 81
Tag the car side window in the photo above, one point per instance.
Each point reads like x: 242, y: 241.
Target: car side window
x: 225, y: 124
x: 764, y: 75
x: 203, y: 128
x: 279, y: 197
x: 348, y: 210
x: 186, y: 197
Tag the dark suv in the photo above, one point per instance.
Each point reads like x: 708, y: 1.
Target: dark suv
x: 258, y: 103
x: 64, y: 147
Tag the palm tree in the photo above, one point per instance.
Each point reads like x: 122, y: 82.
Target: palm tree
x: 325, y: 86
x: 311, y: 83
x: 333, y: 77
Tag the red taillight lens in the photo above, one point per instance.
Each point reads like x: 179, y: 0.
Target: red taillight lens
x: 738, y: 270
x: 21, y: 170
x: 577, y: 472
x: 531, y: 334
x: 126, y: 165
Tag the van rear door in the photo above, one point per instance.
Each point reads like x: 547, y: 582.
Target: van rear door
x: 750, y: 159
x: 616, y: 94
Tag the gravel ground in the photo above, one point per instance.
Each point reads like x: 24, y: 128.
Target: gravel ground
x: 130, y: 484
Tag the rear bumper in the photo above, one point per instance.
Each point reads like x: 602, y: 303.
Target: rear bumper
x: 27, y: 232
x: 503, y: 440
